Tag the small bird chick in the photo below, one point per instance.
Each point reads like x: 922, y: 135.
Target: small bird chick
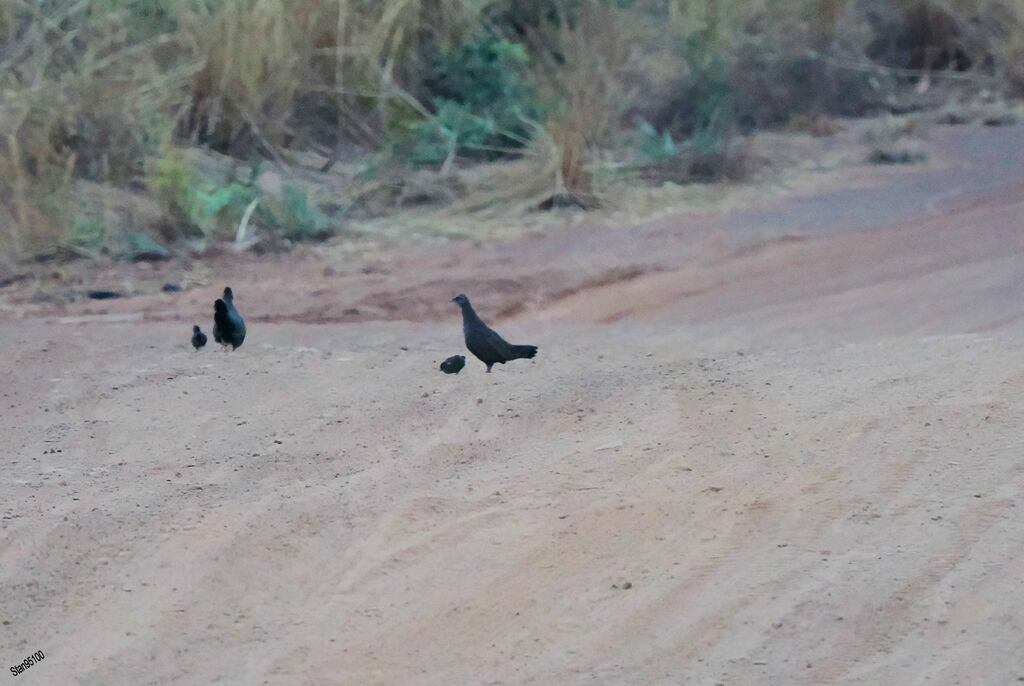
x: 198, y: 338
x: 453, y: 365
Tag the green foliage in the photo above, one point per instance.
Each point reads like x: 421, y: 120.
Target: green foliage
x: 200, y: 204
x: 173, y: 182
x: 142, y: 18
x: 215, y: 209
x: 487, y: 75
x: 141, y: 246
x: 453, y: 129
x: 653, y: 147
x: 484, y: 100
x: 219, y: 207
x: 897, y: 155
x: 300, y: 218
x: 714, y: 112
x: 87, y: 237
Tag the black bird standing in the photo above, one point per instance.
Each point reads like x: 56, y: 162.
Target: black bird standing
x: 228, y: 325
x: 485, y: 343
x: 454, y: 364
x: 198, y: 337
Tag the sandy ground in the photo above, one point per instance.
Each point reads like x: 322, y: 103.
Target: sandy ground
x: 776, y: 446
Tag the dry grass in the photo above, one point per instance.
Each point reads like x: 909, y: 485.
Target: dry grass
x: 97, y: 90
x: 263, y: 61
x: 81, y: 101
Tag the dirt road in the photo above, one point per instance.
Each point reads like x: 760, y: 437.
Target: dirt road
x: 752, y: 450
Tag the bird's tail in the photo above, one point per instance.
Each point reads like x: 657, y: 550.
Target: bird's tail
x: 525, y: 352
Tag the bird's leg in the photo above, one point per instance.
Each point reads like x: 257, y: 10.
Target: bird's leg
x: 489, y: 368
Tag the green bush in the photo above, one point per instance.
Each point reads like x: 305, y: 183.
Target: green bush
x: 653, y: 147
x: 714, y: 112
x: 215, y: 208
x: 141, y: 246
x: 87, y: 237
x: 300, y: 219
x: 484, y: 104
x: 173, y: 182
x: 198, y: 204
x: 454, y: 129
x: 219, y: 207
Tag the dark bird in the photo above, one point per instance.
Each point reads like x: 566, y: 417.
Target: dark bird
x: 485, y: 343
x: 228, y: 325
x: 198, y: 337
x: 453, y: 365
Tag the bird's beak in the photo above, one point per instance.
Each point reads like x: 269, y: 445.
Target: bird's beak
x: 455, y: 300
